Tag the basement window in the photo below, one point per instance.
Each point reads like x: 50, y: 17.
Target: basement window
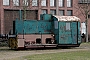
x: 53, y: 12
x: 44, y: 11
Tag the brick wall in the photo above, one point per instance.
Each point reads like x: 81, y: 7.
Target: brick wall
x: 0, y: 22
x: 11, y: 15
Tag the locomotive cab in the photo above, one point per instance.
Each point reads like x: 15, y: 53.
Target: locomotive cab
x: 67, y: 31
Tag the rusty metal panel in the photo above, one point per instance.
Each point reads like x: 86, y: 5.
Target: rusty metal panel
x: 69, y: 33
x: 64, y: 35
x: 44, y: 27
x: 18, y: 27
x: 45, y: 17
x: 34, y: 26
x: 30, y: 26
x: 74, y: 30
x: 79, y: 33
x: 76, y: 36
x: 55, y: 30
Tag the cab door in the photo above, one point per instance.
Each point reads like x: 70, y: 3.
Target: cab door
x: 74, y: 32
x: 65, y: 36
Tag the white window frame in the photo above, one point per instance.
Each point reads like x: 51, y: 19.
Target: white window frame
x: 61, y: 3
x: 61, y: 12
x: 16, y: 2
x: 43, y: 2
x: 44, y: 11
x: 52, y: 2
x: 6, y: 2
x: 69, y: 3
x: 69, y: 14
x: 25, y: 2
x: 34, y: 2
x: 53, y: 12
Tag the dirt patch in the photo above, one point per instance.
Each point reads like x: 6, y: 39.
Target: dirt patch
x: 6, y: 53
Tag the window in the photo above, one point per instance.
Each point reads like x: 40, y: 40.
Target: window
x: 61, y: 3
x: 5, y: 2
x: 16, y: 2
x: 69, y: 12
x: 83, y: 26
x: 52, y: 2
x: 53, y: 12
x: 84, y: 1
x: 44, y: 11
x: 61, y: 12
x: 43, y: 2
x: 25, y: 2
x: 69, y: 3
x: 89, y: 16
x: 34, y: 3
x: 67, y: 26
x: 56, y: 24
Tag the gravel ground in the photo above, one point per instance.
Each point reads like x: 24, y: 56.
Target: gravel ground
x: 6, y: 53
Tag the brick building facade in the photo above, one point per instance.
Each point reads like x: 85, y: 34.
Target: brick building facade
x: 9, y: 10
